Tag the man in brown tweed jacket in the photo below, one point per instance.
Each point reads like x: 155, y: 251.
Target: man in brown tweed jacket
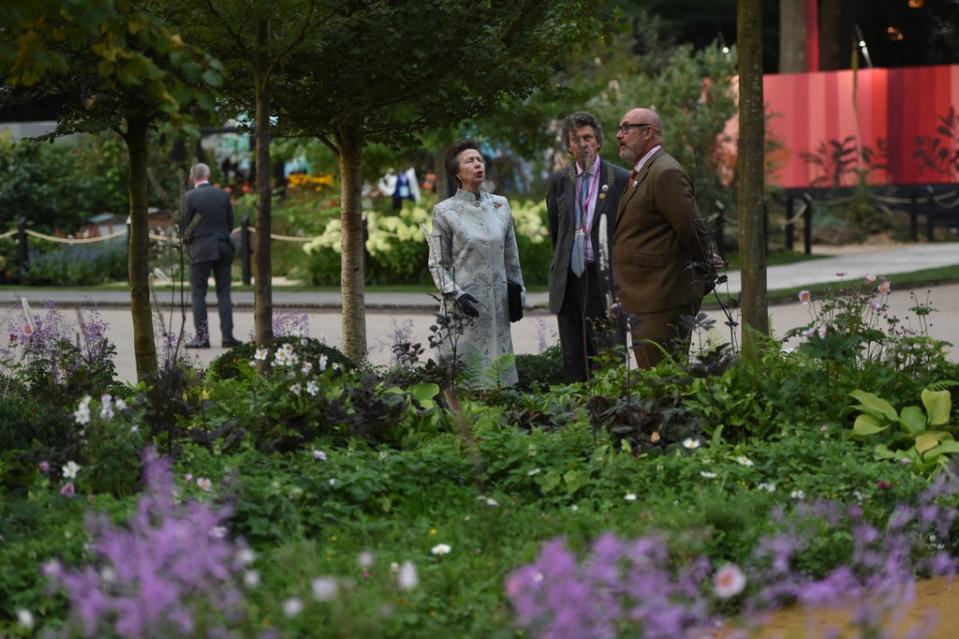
x: 661, y: 252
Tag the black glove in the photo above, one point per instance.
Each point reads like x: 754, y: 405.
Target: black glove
x: 467, y: 305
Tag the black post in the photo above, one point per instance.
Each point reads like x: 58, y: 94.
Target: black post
x: 720, y: 233
x: 914, y: 216
x: 790, y: 227
x: 807, y: 226
x: 930, y: 217
x: 23, y: 253
x: 245, y: 248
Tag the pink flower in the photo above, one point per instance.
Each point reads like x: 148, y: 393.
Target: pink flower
x: 884, y: 287
x: 874, y: 305
x: 27, y: 330
x: 870, y: 278
x: 822, y: 332
x: 805, y: 296
x: 68, y: 490
x: 44, y: 467
x: 729, y: 581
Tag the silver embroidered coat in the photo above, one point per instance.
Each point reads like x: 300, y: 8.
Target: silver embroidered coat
x: 473, y: 250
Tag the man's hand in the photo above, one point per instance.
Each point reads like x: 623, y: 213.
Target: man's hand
x: 467, y: 305
x: 718, y: 262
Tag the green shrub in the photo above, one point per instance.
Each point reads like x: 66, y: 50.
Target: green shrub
x: 309, y: 349
x: 538, y: 372
x: 80, y: 265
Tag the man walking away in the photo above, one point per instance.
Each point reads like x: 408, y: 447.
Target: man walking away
x: 205, y: 228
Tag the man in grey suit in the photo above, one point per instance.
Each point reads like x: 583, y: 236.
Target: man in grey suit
x: 582, y: 199
x: 205, y: 228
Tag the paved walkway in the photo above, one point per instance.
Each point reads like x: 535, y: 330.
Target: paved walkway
x: 410, y: 314
x: 882, y: 261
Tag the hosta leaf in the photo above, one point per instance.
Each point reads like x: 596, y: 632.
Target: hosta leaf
x: 867, y: 425
x: 913, y: 420
x: 424, y: 391
x: 881, y: 451
x: 874, y: 405
x: 949, y: 447
x: 927, y: 441
x: 938, y: 406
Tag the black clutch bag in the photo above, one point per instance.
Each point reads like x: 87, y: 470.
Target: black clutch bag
x: 514, y: 296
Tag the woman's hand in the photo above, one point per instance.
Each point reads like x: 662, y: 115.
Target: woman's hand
x: 467, y: 305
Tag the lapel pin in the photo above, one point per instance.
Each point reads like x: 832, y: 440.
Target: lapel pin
x: 605, y: 188
x: 602, y: 196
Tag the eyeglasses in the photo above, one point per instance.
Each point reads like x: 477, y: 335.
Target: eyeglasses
x: 626, y: 126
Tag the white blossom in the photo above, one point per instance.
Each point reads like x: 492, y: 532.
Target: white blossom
x: 441, y: 549
x: 406, y: 577
x: 691, y: 444
x: 82, y: 413
x: 324, y: 588
x: 630, y: 497
x: 106, y: 406
x: 70, y: 470
x: 25, y: 618
x: 729, y: 581
x: 292, y: 606
x: 204, y: 484
x: 312, y: 388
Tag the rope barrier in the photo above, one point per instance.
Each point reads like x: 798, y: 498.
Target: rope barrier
x: 286, y: 238
x: 8, y: 234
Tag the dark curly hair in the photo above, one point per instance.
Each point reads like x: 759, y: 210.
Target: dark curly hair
x: 579, y: 119
x: 452, y: 158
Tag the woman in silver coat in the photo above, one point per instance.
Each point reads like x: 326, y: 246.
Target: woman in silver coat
x: 472, y: 254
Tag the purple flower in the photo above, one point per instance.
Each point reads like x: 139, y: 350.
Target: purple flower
x: 159, y: 573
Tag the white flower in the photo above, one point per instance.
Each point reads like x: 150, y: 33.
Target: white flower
x: 797, y: 494
x: 441, y: 549
x: 729, y: 581
x: 108, y: 574
x: 744, y: 461
x: 406, y: 577
x: 292, y: 606
x: 707, y: 475
x: 821, y: 331
x: 251, y: 579
x: 319, y: 454
x: 323, y: 360
x: 574, y: 507
x: 261, y: 354
x: 134, y: 429
x: 769, y: 487
x: 285, y: 356
x: 204, y: 484
x: 312, y: 388
x: 365, y: 559
x: 324, y: 588
x: 489, y: 501
x: 306, y: 368
x: 296, y: 389
x: 82, y: 413
x: 332, y: 481
x: 630, y: 497
x: 691, y: 444
x: 246, y: 556
x: 106, y: 407
x: 70, y: 470
x: 535, y: 471
x: 25, y: 618
x: 218, y: 531
x: 121, y: 405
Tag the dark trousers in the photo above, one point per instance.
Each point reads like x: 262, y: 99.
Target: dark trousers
x: 199, y: 275
x: 654, y: 333
x: 580, y: 324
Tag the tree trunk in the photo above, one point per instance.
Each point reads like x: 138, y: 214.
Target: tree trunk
x: 263, y: 274
x: 349, y: 143
x: 793, y: 36
x: 835, y: 35
x: 138, y: 249
x: 752, y: 227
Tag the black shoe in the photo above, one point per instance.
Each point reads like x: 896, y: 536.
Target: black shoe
x: 229, y: 342
x: 198, y: 344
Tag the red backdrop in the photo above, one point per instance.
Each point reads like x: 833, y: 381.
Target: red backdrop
x: 899, y: 109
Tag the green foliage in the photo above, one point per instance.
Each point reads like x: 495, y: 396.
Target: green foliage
x: 228, y: 365
x: 58, y: 186
x: 80, y: 265
x: 692, y: 92
x: 922, y: 438
x: 539, y: 372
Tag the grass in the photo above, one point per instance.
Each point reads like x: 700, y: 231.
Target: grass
x: 912, y: 279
